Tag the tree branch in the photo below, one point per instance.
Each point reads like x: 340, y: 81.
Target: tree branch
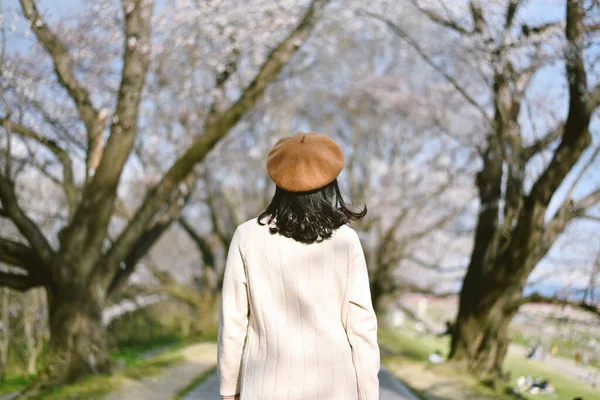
x: 67, y: 183
x: 588, y: 201
x: 24, y: 224
x: 477, y: 14
x: 581, y: 174
x: 145, y: 242
x: 539, y: 145
x: 208, y: 256
x: 7, y: 123
x: 19, y: 255
x: 576, y: 135
x: 400, y: 33
x: 594, y: 99
x: 212, y: 208
x: 513, y: 6
x: 527, y: 30
x: 538, y: 298
x: 90, y: 223
x: 435, y: 267
x: 63, y: 66
x: 438, y: 19
x: 17, y: 282
x: 214, y: 130
x: 136, y: 61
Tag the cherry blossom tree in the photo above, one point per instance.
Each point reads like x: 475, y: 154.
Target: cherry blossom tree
x: 89, y: 107
x: 522, y: 170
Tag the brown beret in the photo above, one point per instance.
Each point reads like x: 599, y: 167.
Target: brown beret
x: 304, y: 161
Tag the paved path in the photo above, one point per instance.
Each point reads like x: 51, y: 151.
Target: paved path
x: 390, y: 388
x: 167, y: 383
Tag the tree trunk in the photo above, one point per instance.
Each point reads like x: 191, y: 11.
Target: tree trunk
x: 34, y: 335
x: 77, y: 344
x: 480, y: 334
x: 5, y: 330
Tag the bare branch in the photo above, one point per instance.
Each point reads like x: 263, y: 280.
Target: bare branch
x: 538, y: 298
x: 513, y: 6
x: 594, y: 99
x: 208, y: 255
x: 63, y: 66
x: 477, y: 14
x: 582, y: 173
x: 435, y: 267
x: 591, y: 217
x: 212, y: 208
x: 21, y: 283
x: 8, y: 128
x: 144, y: 242
x: 214, y: 130
x: 20, y: 255
x: 576, y: 136
x: 91, y: 220
x: 403, y: 35
x: 26, y: 226
x: 530, y: 151
x: 136, y: 61
x: 588, y: 201
x: 67, y: 183
x: 527, y: 30
x: 435, y: 17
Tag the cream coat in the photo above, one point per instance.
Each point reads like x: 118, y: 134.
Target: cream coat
x: 296, y: 320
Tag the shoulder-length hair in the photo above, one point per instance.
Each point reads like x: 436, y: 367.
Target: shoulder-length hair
x: 309, y: 217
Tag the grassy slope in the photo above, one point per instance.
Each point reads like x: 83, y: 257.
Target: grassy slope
x: 408, y: 349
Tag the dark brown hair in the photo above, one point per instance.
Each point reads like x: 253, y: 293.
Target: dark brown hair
x: 309, y: 217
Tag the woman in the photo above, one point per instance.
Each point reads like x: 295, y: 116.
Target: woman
x: 296, y: 317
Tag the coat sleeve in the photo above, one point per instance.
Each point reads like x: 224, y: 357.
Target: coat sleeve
x: 233, y: 319
x: 362, y: 326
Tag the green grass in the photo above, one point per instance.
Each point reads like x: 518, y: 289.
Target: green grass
x: 198, y: 380
x: 403, y: 347
x: 407, y: 346
x: 90, y: 388
x: 566, y: 388
x: 133, y: 365
x: 97, y: 386
x: 14, y: 384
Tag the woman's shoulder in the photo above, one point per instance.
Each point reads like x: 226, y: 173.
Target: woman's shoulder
x: 348, y: 234
x: 248, y: 227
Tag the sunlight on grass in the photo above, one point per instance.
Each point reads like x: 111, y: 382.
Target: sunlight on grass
x: 11, y: 385
x: 566, y: 388
x: 402, y: 350
x: 95, y: 387
x: 134, y: 366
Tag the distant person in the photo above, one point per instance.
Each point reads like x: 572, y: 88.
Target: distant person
x: 533, y: 351
x: 449, y: 328
x: 296, y: 318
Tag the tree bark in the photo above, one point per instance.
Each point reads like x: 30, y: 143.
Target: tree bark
x: 480, y: 333
x: 77, y: 344
x: 5, y: 333
x: 506, y: 252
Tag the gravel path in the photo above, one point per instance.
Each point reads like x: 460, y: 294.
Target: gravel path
x: 390, y: 388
